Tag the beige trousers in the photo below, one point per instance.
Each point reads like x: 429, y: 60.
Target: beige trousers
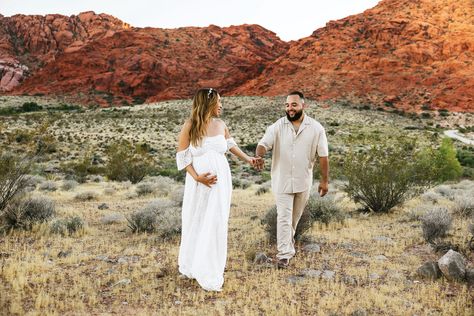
x: 290, y: 207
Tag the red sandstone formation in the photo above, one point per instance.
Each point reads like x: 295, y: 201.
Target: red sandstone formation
x: 402, y: 53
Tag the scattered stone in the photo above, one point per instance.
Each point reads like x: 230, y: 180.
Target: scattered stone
x: 380, y: 258
x: 4, y: 255
x: 103, y: 206
x: 126, y: 259
x: 383, y: 239
x: 123, y: 282
x: 328, y: 274
x: 374, y: 276
x: 359, y: 312
x: 470, y: 277
x: 315, y: 248
x: 453, y: 265
x: 310, y: 273
x: 347, y: 279
x: 64, y: 254
x: 429, y: 270
x: 177, y: 302
x: 347, y: 246
x: 359, y: 255
x: 261, y: 258
x: 295, y: 279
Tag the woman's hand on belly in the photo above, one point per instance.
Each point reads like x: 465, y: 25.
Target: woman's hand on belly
x: 207, y: 179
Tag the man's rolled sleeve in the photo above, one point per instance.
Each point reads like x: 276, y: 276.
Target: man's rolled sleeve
x: 268, y: 139
x: 323, y: 150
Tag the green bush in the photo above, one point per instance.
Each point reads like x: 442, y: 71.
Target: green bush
x: 127, y: 163
x: 386, y: 175
x: 80, y: 170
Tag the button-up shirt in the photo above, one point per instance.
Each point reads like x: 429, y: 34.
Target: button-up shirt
x: 294, y: 153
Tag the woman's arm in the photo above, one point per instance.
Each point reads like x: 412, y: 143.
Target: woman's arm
x: 183, y: 144
x: 239, y: 153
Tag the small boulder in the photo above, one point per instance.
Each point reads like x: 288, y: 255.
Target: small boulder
x: 470, y: 277
x: 429, y: 270
x: 260, y: 258
x: 453, y: 265
x: 315, y: 248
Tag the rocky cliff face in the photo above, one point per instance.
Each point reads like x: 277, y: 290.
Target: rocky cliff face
x: 156, y: 64
x: 406, y: 54
x: 29, y: 42
x: 402, y: 53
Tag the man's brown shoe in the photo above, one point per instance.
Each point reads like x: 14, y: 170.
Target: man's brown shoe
x: 283, y: 263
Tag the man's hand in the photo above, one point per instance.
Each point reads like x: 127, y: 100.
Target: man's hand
x: 259, y: 163
x: 323, y: 188
x: 207, y: 179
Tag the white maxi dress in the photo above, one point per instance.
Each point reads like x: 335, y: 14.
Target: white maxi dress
x: 205, y: 213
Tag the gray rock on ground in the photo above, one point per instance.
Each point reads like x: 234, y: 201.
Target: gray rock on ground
x: 261, y: 258
x: 453, y: 265
x: 315, y: 248
x: 470, y: 277
x: 429, y: 270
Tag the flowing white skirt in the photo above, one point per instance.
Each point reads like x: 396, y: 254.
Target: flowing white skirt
x: 205, y: 216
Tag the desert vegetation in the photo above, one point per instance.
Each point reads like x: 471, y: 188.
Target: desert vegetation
x: 76, y: 240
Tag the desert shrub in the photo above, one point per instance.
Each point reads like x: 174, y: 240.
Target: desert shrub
x: 109, y: 191
x: 48, y: 186
x: 127, y: 163
x: 96, y: 178
x: 86, y: 196
x: 145, y: 188
x: 464, y: 205
x: 164, y: 185
x: 158, y: 217
x: 177, y: 195
x: 430, y: 196
x: 112, y: 219
x: 67, y: 226
x: 68, y: 185
x: 24, y: 213
x: 81, y: 169
x: 436, y: 223
x: 13, y: 177
x: 270, y: 223
x: 263, y: 188
x: 386, y: 175
x: 324, y: 209
x: 241, y: 183
x: 446, y: 191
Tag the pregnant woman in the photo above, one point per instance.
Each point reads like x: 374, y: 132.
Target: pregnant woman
x: 203, y: 142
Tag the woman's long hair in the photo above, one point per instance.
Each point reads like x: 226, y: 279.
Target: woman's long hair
x: 204, y: 101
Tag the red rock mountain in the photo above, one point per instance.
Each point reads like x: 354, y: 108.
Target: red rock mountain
x: 402, y: 53
x: 29, y: 42
x: 410, y: 54
x: 147, y: 64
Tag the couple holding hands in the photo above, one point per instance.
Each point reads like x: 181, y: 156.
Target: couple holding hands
x: 295, y: 140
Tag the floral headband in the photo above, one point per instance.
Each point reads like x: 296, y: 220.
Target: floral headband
x: 209, y: 93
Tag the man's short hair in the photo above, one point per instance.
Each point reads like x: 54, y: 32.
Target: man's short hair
x: 298, y: 93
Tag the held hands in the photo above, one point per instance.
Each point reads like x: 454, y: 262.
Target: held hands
x: 207, y: 179
x: 256, y: 162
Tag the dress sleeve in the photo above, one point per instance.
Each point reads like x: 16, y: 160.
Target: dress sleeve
x: 184, y: 158
x: 230, y: 143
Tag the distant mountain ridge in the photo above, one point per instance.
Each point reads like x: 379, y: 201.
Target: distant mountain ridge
x: 405, y: 54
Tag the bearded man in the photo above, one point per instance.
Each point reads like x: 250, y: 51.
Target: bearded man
x: 296, y: 141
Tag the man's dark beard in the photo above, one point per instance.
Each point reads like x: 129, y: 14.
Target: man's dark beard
x: 296, y: 117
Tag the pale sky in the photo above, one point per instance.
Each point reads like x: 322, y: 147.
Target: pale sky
x: 290, y: 20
